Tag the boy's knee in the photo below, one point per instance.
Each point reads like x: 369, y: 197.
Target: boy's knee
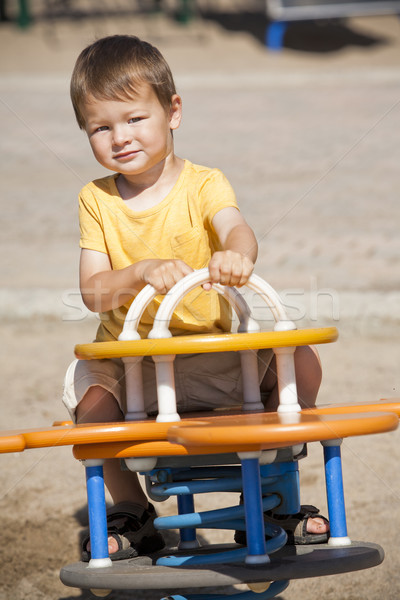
x: 98, y: 406
x: 308, y: 375
x: 306, y: 357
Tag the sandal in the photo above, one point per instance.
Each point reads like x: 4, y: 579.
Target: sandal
x: 294, y: 525
x: 132, y: 527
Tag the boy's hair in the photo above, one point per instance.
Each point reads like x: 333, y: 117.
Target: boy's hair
x: 114, y: 67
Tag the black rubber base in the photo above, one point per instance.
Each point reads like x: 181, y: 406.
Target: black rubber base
x: 292, y: 562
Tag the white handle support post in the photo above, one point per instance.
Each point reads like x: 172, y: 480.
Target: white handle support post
x: 251, y: 385
x: 134, y: 389
x: 166, y: 389
x: 133, y: 374
x: 288, y: 400
x: 248, y: 358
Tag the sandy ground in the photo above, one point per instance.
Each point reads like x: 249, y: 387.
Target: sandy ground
x: 309, y: 139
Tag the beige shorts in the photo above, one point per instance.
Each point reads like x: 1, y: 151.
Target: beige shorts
x: 202, y: 381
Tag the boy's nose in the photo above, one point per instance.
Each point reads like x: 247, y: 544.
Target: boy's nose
x: 122, y: 135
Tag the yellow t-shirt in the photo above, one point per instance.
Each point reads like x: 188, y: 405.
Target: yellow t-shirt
x: 179, y: 227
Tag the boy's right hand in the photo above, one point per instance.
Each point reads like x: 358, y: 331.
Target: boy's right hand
x: 104, y: 288
x: 162, y: 274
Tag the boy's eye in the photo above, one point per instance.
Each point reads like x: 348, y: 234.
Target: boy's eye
x: 135, y: 119
x: 102, y: 128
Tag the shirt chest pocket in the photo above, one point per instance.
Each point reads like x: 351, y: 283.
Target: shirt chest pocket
x: 193, y: 247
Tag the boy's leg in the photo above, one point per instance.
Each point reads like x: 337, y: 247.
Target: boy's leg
x: 308, y: 380
x: 99, y: 406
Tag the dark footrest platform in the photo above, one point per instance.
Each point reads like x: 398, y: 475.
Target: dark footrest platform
x: 292, y: 562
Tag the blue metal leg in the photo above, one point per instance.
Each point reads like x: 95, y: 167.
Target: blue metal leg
x: 253, y: 511
x: 335, y: 493
x: 97, y: 514
x: 188, y: 535
x: 274, y: 35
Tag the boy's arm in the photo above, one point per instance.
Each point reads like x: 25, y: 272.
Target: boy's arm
x: 104, y: 289
x: 235, y: 263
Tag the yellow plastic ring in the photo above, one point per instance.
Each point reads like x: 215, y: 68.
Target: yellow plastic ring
x: 193, y: 344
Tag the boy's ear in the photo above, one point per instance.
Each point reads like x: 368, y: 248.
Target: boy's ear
x: 175, y: 112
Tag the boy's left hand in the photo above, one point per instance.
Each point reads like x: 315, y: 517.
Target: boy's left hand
x: 229, y: 268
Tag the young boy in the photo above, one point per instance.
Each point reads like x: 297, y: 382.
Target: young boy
x: 153, y: 221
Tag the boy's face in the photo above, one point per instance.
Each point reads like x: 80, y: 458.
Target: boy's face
x: 131, y: 136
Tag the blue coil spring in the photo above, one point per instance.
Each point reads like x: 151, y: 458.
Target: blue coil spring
x: 190, y: 481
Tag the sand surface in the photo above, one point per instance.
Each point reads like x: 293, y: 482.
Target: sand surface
x: 309, y: 140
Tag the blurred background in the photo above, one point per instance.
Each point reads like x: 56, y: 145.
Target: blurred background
x: 307, y: 133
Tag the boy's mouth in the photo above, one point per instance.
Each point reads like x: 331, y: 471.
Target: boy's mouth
x: 126, y: 155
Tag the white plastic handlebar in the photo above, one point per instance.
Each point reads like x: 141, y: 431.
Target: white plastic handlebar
x: 188, y: 283
x: 148, y: 293
x: 164, y: 364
